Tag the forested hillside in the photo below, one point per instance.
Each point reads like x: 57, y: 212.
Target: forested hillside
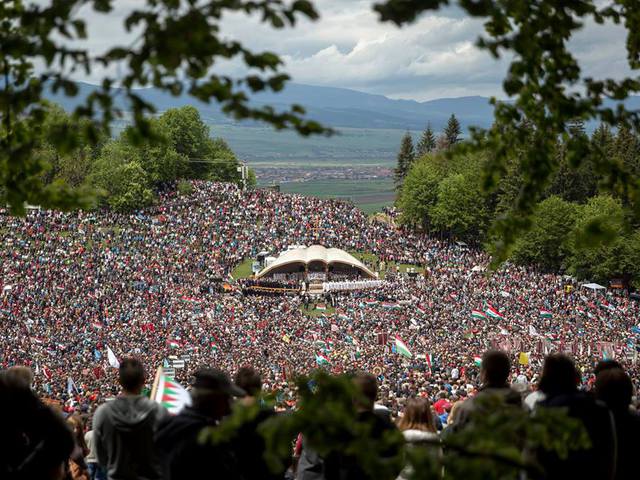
x: 128, y: 171
x: 578, y: 228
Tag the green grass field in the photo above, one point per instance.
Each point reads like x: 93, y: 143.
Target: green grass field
x: 369, y: 195
x: 243, y: 270
x: 312, y: 312
x: 370, y: 259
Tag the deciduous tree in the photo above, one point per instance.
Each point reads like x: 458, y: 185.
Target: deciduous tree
x: 546, y: 243
x: 547, y: 88
x: 177, y: 44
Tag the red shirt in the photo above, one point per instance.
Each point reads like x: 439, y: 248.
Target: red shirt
x: 441, y: 405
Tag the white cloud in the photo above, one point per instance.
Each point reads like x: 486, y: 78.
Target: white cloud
x: 348, y: 47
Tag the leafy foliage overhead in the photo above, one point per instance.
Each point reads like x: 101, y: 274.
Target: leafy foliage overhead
x: 549, y: 93
x: 177, y: 44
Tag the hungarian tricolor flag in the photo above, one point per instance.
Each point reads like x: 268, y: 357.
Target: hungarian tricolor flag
x: 186, y: 298
x: 370, y: 301
x: 477, y: 361
x: 322, y: 360
x: 402, y: 348
x: 169, y: 393
x: 492, y: 312
x: 390, y: 305
x: 546, y: 314
x: 478, y: 314
x: 173, y: 343
x: 321, y: 306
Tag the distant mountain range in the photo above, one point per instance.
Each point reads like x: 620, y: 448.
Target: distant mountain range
x: 337, y: 107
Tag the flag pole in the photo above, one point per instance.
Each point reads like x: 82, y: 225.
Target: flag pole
x: 156, y: 381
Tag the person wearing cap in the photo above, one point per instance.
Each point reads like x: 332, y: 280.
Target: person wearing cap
x: 178, y: 437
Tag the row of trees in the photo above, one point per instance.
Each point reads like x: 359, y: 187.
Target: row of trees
x: 428, y: 143
x: 578, y: 228
x: 129, y: 170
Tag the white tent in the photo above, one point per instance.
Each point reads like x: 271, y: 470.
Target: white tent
x: 593, y: 286
x: 312, y: 254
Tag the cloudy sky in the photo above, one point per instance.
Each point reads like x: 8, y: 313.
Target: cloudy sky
x: 348, y: 47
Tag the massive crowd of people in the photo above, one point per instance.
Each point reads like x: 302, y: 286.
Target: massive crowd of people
x: 75, y: 285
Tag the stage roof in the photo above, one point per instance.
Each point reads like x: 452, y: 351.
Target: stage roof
x: 316, y: 253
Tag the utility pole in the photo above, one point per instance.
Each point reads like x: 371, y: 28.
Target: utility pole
x: 244, y: 174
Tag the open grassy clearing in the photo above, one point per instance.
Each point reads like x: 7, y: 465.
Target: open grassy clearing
x: 313, y: 312
x: 243, y: 270
x: 369, y: 195
x: 370, y: 260
x: 374, y: 207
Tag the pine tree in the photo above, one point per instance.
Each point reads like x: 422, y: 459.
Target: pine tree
x: 427, y: 142
x: 602, y: 138
x: 627, y: 149
x: 406, y: 155
x: 452, y: 131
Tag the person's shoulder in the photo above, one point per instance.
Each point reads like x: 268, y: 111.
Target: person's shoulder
x: 513, y: 397
x: 379, y: 420
x: 145, y: 403
x: 102, y: 412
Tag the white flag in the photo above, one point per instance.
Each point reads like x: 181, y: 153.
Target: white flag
x: 71, y: 386
x: 532, y: 331
x: 113, y: 361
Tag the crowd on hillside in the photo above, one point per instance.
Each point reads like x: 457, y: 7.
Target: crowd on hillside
x: 73, y: 284
x: 76, y: 285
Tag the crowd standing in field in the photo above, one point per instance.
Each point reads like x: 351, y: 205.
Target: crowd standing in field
x: 149, y: 285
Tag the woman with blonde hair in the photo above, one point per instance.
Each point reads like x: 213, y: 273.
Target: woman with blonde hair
x: 418, y: 427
